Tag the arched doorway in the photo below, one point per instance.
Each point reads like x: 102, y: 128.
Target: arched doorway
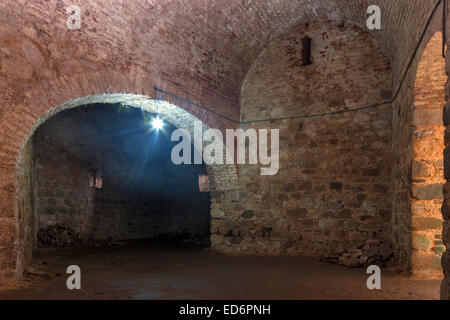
x: 29, y: 194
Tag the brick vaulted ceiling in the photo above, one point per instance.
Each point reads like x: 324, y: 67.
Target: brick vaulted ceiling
x: 200, y: 49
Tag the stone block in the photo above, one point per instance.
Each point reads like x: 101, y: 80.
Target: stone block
x: 421, y: 241
x: 439, y: 249
x: 248, y: 214
x: 428, y: 117
x: 298, y: 212
x: 304, y: 186
x: 427, y: 191
x: 336, y: 186
x: 426, y: 223
x: 420, y: 169
x: 217, y: 214
x: 371, y: 226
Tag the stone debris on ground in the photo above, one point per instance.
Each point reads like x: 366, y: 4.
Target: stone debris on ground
x: 61, y: 236
x: 372, y: 252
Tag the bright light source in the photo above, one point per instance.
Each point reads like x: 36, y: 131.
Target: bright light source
x: 157, y: 123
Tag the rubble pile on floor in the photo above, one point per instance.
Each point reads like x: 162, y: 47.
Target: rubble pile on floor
x: 61, y: 236
x: 372, y: 252
x: 57, y: 236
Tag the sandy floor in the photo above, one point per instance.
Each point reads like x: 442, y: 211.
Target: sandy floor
x: 154, y: 272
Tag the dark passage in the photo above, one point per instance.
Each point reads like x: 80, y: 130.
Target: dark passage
x: 102, y: 175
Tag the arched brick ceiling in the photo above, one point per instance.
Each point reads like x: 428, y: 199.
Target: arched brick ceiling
x: 196, y: 48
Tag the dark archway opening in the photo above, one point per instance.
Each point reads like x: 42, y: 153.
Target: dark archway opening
x: 103, y: 176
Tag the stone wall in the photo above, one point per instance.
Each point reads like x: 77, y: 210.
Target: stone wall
x: 139, y: 198
x: 427, y: 175
x: 417, y: 166
x: 445, y: 286
x: 25, y: 202
x: 200, y: 50
x: 333, y: 188
x: 402, y: 158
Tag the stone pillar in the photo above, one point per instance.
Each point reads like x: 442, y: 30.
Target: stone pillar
x: 224, y: 208
x: 7, y: 225
x: 426, y: 189
x: 445, y: 287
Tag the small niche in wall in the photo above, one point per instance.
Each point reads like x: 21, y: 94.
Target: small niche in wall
x: 203, y: 183
x: 96, y: 179
x: 306, y: 51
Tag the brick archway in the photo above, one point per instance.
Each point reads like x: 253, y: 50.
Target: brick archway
x: 222, y: 177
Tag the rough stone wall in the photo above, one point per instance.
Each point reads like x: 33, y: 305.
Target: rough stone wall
x: 25, y: 203
x: 445, y: 286
x: 402, y: 158
x: 198, y: 49
x: 113, y: 212
x: 333, y: 188
x: 139, y: 198
x: 427, y: 174
x: 417, y: 161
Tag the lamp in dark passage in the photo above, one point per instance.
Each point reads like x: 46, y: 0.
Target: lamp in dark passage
x: 157, y: 123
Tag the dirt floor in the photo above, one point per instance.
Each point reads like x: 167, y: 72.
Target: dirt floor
x: 149, y: 271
